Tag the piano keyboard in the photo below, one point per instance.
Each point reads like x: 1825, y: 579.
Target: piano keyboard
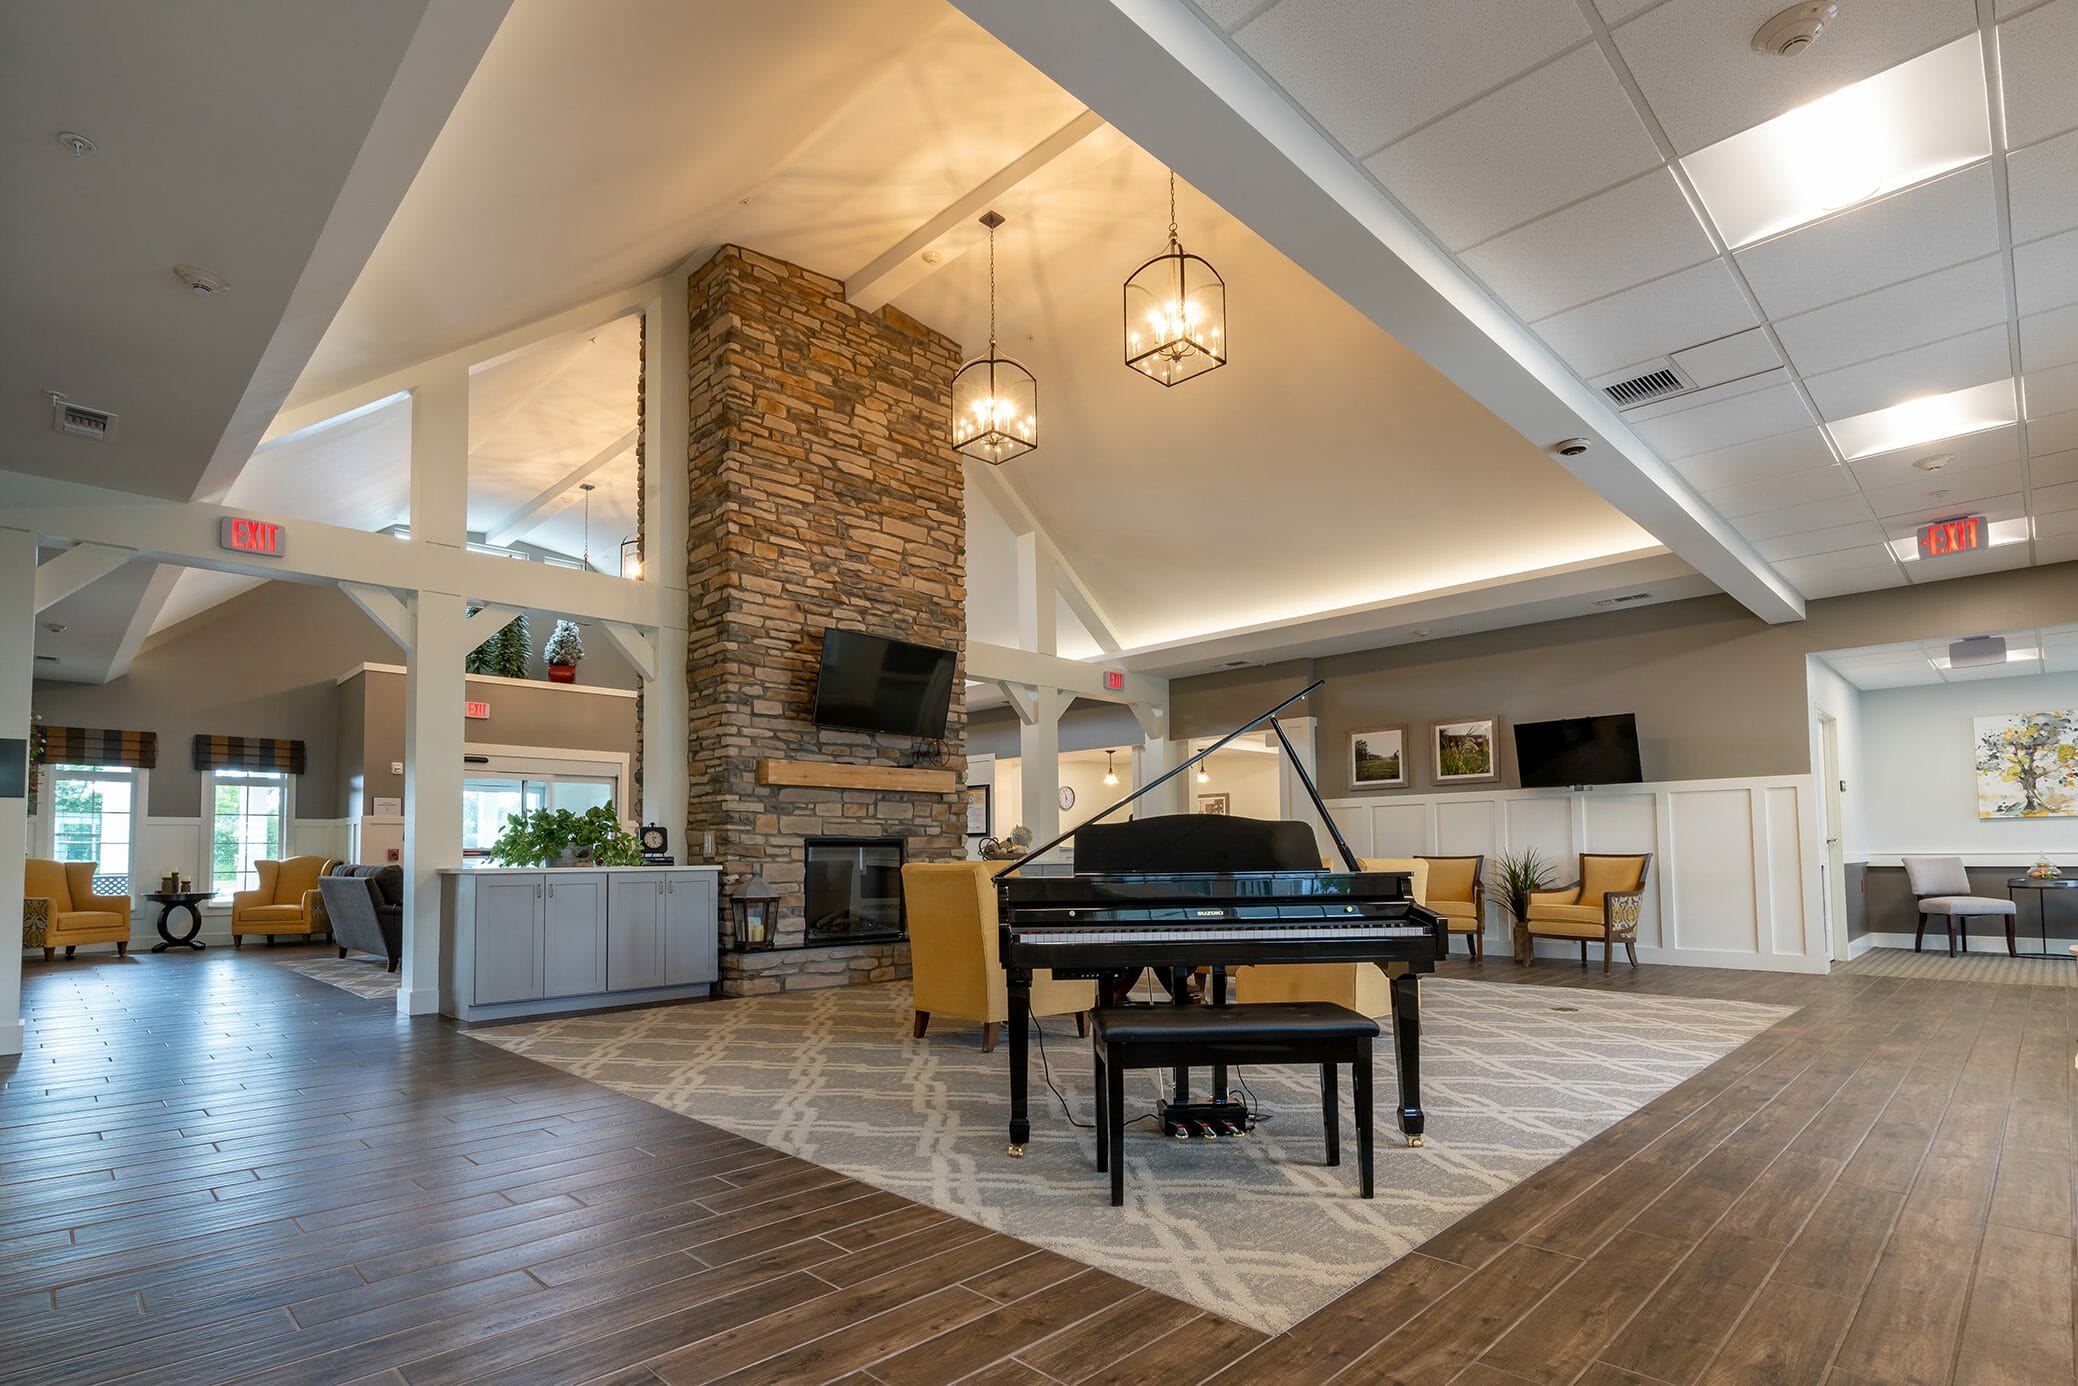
x: 1197, y: 933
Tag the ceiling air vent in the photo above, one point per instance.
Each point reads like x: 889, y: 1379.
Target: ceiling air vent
x: 67, y: 417
x: 1626, y: 599
x: 1658, y: 383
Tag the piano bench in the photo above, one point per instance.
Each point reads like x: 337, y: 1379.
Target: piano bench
x: 1276, y: 1032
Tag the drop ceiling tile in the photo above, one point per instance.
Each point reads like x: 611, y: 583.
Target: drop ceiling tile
x: 1775, y: 492
x: 1967, y: 453
x: 1691, y: 306
x: 2045, y: 272
x: 2052, y: 435
x: 1370, y: 73
x: 2042, y: 182
x: 1227, y: 13
x: 1625, y: 236
x: 1542, y: 141
x: 1711, y: 394
x: 1781, y: 455
x: 1916, y: 232
x: 1963, y: 490
x: 1997, y: 559
x: 1615, y: 12
x: 1802, y: 570
x: 2063, y: 549
x: 1694, y: 60
x: 1852, y: 661
x: 1995, y: 508
x: 2053, y: 469
x: 2037, y: 54
x: 1742, y: 419
x: 1729, y: 358
x: 2047, y: 500
x: 1817, y: 541
x: 1934, y: 306
x: 1798, y: 519
x: 2059, y: 661
x: 2056, y: 524
x: 2049, y: 339
x: 2050, y: 392
x: 1975, y: 358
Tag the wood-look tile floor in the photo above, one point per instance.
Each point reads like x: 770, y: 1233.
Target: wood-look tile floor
x: 214, y: 1169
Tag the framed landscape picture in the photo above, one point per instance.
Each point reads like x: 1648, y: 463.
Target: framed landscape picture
x: 2027, y: 765
x: 1465, y: 751
x: 1378, y: 759
x: 1215, y: 803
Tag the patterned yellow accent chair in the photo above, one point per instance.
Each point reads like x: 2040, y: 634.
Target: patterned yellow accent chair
x: 955, y: 952
x: 1605, y: 903
x: 1457, y: 891
x: 1362, y: 987
x: 61, y: 910
x: 285, y: 903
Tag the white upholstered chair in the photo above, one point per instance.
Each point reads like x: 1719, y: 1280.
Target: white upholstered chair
x: 1943, y: 888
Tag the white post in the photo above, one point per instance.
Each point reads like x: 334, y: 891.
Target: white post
x: 1292, y: 799
x: 1152, y: 757
x: 17, y: 673
x: 1035, y: 594
x: 1039, y: 763
x: 666, y: 485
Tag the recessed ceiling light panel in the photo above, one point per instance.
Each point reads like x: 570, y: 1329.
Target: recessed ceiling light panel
x: 1916, y: 121
x: 1924, y: 420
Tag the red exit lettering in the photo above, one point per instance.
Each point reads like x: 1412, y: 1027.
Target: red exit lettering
x: 478, y: 711
x: 1114, y: 679
x: 251, y: 536
x: 1959, y: 535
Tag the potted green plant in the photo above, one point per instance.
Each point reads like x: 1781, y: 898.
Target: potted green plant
x: 1516, y: 877
x: 563, y: 651
x: 558, y: 837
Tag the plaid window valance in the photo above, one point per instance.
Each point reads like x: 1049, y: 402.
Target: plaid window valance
x: 95, y: 746
x: 248, y: 753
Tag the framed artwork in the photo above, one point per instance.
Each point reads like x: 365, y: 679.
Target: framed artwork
x: 1464, y: 751
x: 2027, y: 765
x: 1215, y: 803
x: 1378, y: 759
x: 978, y: 810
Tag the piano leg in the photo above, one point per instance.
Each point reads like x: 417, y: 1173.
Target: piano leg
x: 1219, y: 998
x: 1019, y: 982
x: 1407, y: 1039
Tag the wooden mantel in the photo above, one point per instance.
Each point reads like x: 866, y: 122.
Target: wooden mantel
x: 830, y: 774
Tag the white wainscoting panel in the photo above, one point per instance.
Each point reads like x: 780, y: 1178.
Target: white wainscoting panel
x: 1729, y: 885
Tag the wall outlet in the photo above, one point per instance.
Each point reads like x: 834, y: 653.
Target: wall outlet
x: 707, y: 845
x: 396, y: 767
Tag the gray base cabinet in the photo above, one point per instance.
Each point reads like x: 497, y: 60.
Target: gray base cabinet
x: 517, y: 943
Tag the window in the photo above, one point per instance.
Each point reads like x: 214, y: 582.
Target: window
x: 248, y: 822
x: 92, y: 813
x: 488, y: 800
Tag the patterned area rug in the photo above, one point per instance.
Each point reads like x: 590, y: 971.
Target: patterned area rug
x: 1254, y: 1229
x: 358, y: 973
x: 2055, y: 971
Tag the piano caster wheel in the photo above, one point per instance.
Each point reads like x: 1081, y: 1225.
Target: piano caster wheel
x: 1414, y: 1142
x: 1015, y: 1152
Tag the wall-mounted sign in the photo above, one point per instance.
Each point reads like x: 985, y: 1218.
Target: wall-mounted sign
x: 1962, y: 534
x: 252, y: 536
x: 1115, y: 679
x: 479, y: 712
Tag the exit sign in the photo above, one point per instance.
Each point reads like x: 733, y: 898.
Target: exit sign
x: 252, y: 536
x: 1963, y: 534
x: 1114, y: 679
x: 480, y: 712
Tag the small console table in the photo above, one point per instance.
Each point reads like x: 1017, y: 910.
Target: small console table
x: 2040, y: 886
x: 170, y: 900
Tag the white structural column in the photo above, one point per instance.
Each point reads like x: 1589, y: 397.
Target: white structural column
x: 1292, y: 799
x: 665, y: 490
x: 1039, y: 760
x: 434, y: 686
x: 17, y: 673
x: 1154, y: 757
x: 1035, y: 594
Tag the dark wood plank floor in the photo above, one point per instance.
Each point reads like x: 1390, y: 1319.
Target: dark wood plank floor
x: 213, y: 1169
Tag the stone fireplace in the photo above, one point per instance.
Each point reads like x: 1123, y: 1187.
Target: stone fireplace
x: 823, y: 495
x: 852, y: 889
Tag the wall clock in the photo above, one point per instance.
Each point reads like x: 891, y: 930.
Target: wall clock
x: 1067, y: 796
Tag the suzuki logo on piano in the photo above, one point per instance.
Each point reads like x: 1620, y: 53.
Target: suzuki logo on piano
x: 1208, y: 914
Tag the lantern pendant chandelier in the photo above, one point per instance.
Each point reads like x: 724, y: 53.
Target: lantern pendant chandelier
x: 995, y: 401
x: 1176, y: 313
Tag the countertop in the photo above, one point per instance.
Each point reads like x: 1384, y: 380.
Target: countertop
x: 537, y: 870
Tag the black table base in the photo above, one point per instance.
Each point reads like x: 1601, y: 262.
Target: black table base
x: 2042, y: 887
x: 188, y: 939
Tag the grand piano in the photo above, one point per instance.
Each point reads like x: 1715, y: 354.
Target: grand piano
x: 1178, y: 892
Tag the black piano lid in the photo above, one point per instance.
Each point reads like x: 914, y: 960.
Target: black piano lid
x: 1189, y: 887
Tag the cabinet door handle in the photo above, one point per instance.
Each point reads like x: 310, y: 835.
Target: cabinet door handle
x: 551, y: 890
x: 537, y: 890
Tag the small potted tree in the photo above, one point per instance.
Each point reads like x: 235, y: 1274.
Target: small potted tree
x: 563, y: 651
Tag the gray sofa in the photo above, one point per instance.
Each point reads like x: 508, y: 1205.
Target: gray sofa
x: 366, y: 904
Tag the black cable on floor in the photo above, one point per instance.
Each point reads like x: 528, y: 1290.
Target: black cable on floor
x: 1046, y: 1073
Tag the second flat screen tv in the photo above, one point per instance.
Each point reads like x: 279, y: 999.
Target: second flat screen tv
x: 871, y: 683
x: 1578, y: 750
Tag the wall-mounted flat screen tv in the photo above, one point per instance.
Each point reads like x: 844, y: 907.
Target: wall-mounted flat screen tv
x: 871, y: 683
x: 1578, y: 750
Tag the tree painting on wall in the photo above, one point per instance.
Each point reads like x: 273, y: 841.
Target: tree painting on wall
x: 2027, y: 765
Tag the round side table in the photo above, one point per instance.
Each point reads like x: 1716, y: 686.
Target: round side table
x: 168, y: 902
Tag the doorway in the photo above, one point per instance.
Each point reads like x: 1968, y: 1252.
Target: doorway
x: 1833, y: 873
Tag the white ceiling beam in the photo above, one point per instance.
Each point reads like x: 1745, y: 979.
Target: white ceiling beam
x: 997, y: 488
x: 382, y: 606
x: 335, y: 408
x: 953, y: 231
x: 1002, y: 664
x: 638, y: 646
x: 75, y: 569
x: 1158, y: 72
x: 158, y: 590
x: 1023, y: 701
x: 534, y: 513
x: 450, y: 41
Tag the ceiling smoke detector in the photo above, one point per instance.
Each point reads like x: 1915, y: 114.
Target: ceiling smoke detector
x: 1789, y: 33
x: 203, y: 281
x: 1933, y: 462
x: 79, y: 144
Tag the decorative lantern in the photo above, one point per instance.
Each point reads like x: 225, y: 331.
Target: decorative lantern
x: 995, y: 401
x: 631, y: 557
x: 1176, y: 313
x: 755, y: 911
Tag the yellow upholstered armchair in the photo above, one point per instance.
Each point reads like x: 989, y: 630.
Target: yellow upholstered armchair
x: 1457, y: 891
x: 955, y: 954
x: 61, y: 910
x: 285, y: 903
x: 1362, y: 987
x: 1605, y: 903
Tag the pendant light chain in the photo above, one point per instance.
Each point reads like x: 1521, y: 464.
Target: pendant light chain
x: 992, y: 291
x: 1172, y: 211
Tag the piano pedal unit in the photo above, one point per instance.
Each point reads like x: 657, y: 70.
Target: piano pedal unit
x: 1206, y: 1121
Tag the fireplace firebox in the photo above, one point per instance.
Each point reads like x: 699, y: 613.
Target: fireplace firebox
x: 854, y: 889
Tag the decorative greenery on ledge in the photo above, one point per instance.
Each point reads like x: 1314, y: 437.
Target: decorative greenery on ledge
x: 558, y: 837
